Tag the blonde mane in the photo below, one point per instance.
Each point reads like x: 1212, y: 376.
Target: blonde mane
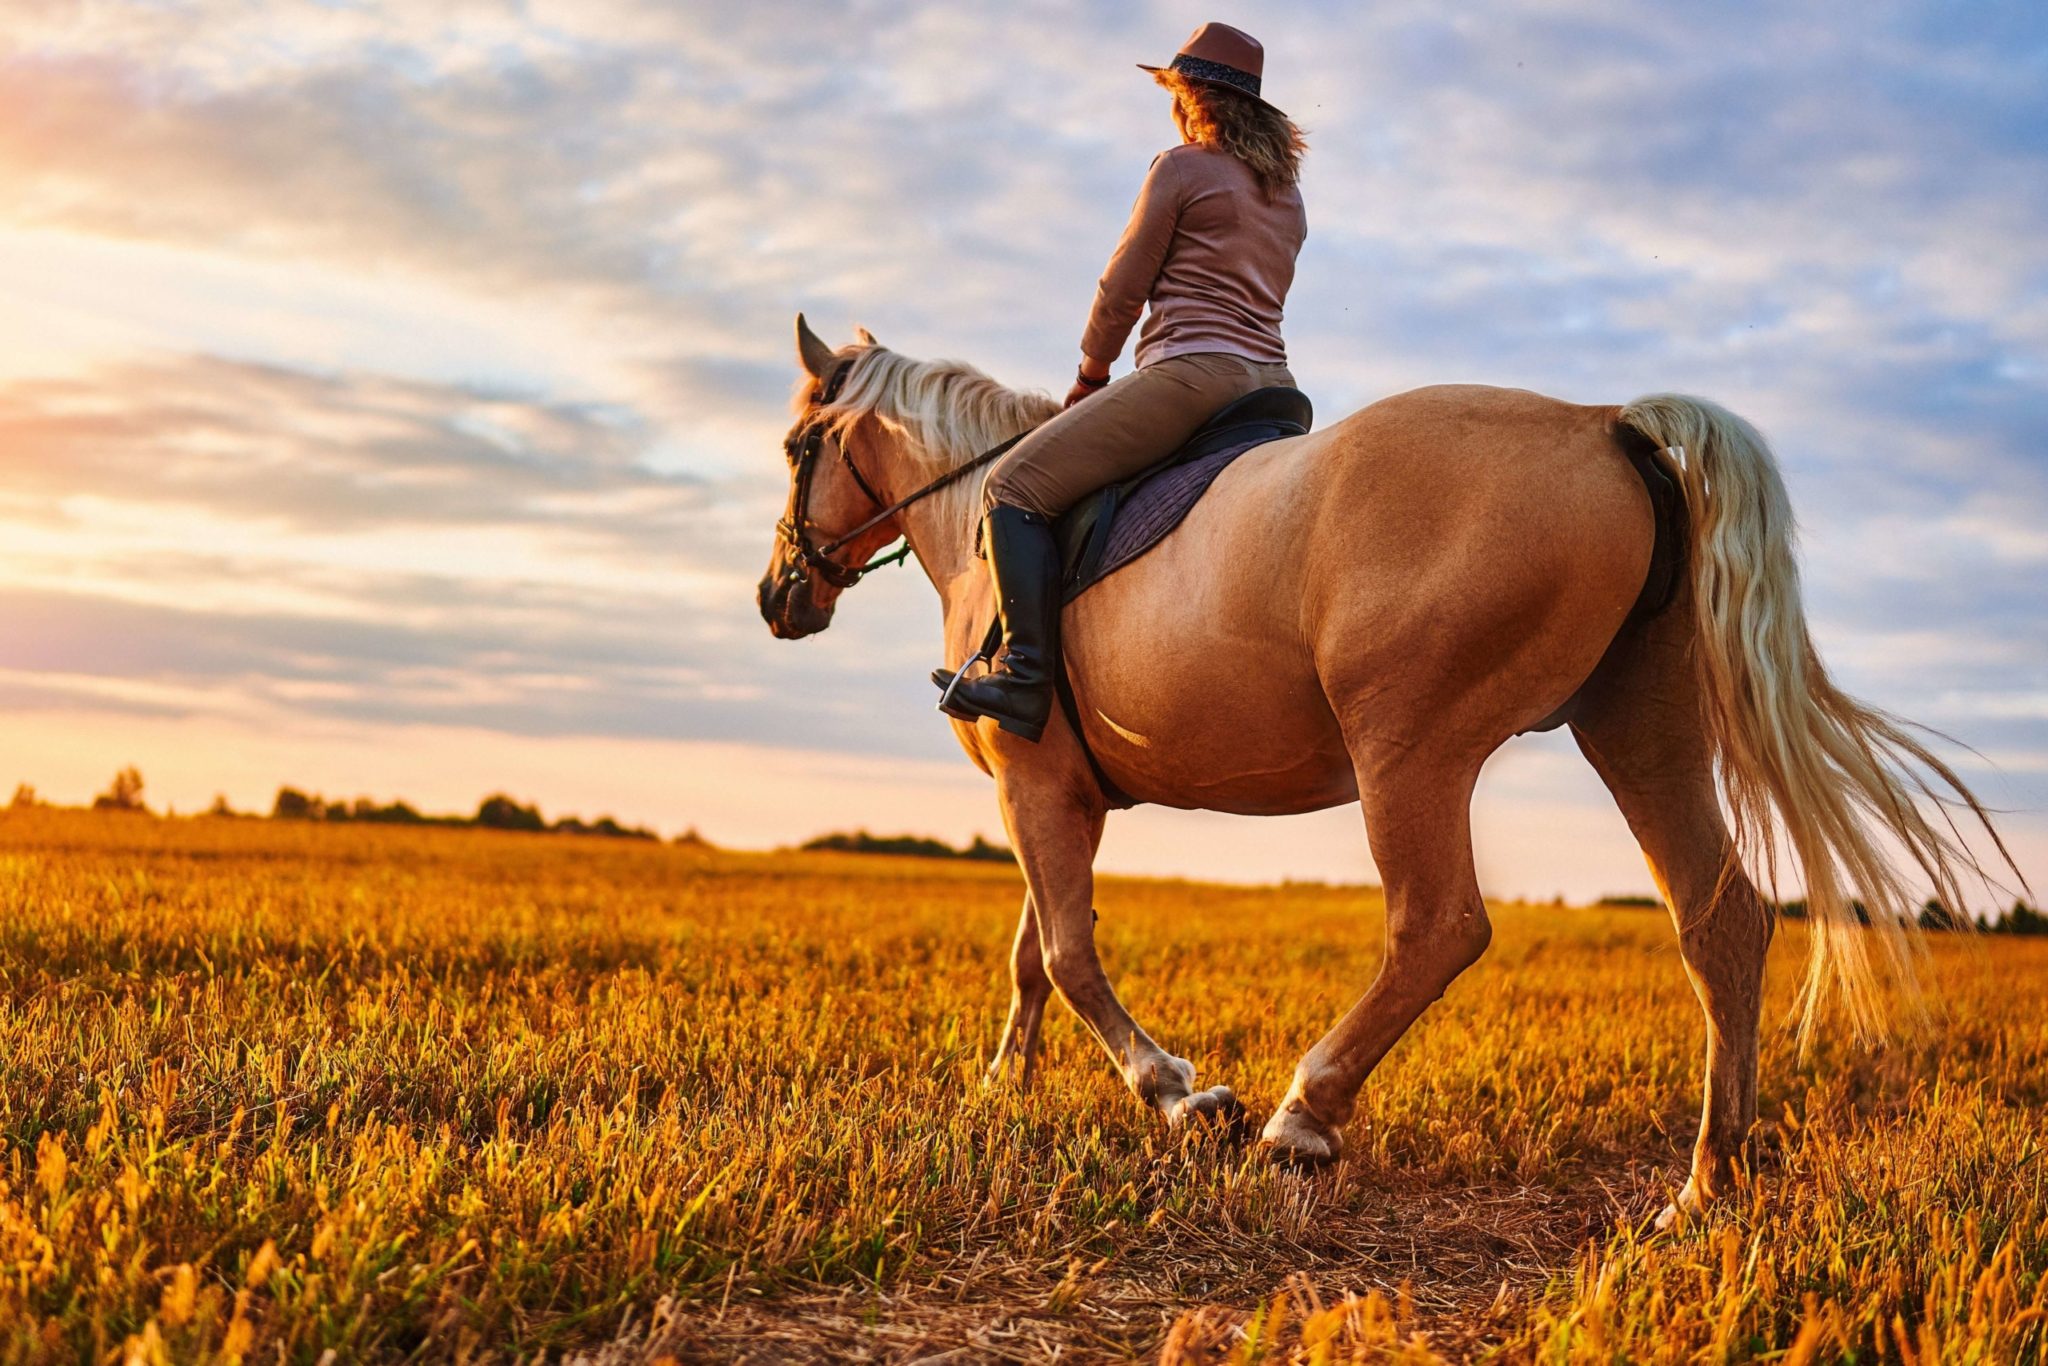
x: 946, y: 412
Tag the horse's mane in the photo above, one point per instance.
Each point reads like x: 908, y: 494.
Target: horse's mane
x: 946, y: 411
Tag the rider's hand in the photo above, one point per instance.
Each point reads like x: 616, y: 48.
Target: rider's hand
x: 1091, y: 378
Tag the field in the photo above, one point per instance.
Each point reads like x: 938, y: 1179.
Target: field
x: 278, y: 1091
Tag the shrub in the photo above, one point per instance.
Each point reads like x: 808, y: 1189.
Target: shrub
x: 123, y: 794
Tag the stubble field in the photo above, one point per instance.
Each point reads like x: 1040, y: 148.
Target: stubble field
x: 274, y: 1092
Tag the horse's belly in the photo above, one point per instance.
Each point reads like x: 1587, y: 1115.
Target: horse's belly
x: 1193, y: 696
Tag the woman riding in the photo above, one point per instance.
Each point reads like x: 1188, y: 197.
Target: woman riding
x: 1210, y: 246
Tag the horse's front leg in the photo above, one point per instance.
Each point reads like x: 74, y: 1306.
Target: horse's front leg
x: 1055, y: 824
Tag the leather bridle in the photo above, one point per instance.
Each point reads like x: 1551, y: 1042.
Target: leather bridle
x: 804, y: 447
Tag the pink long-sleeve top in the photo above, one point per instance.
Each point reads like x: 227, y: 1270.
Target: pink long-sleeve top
x: 1210, y: 253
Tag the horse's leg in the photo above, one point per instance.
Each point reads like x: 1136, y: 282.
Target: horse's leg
x: 1030, y: 987
x: 1055, y: 833
x: 1417, y: 819
x: 1639, y: 722
x: 1017, y: 1057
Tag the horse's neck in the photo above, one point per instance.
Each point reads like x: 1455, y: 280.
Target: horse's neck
x: 942, y: 537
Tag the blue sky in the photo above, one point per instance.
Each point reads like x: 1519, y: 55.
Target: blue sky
x: 390, y: 397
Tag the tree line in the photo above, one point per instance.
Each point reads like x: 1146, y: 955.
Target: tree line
x: 2020, y: 919
x: 500, y: 812
x: 914, y: 846
x: 495, y: 812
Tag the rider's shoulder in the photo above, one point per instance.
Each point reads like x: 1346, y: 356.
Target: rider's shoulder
x: 1179, y: 165
x: 1199, y: 160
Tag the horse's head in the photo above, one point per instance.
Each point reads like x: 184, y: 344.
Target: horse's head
x: 828, y: 531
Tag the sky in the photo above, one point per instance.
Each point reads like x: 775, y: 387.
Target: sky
x: 391, y: 396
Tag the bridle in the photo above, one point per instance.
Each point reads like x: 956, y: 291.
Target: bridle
x: 794, y: 530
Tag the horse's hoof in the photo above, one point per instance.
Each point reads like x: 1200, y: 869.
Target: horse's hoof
x: 1006, y: 1076
x: 1218, y: 1104
x: 1295, y: 1138
x: 1687, y: 1204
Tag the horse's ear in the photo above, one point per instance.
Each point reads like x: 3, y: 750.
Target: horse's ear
x: 812, y: 352
x: 865, y: 337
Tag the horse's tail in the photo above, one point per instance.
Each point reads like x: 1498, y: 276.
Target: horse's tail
x: 1794, y: 752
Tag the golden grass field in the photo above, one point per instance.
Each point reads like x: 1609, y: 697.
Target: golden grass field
x: 278, y: 1091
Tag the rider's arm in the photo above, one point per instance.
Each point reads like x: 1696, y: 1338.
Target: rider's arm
x: 1125, y: 285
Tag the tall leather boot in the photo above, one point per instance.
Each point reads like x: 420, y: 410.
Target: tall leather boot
x: 1017, y: 692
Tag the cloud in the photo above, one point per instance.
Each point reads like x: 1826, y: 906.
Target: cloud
x: 370, y: 548
x: 339, y: 454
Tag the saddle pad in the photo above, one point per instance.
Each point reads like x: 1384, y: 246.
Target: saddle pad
x: 1108, y: 531
x: 1159, y: 504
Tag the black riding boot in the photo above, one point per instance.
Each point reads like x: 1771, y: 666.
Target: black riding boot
x: 1017, y: 691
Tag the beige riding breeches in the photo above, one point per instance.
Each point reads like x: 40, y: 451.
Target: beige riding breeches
x: 1122, y: 431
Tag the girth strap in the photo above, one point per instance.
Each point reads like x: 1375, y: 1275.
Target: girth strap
x: 1070, y: 706
x: 1118, y: 799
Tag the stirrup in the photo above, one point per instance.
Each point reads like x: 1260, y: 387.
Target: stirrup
x: 978, y: 657
x: 990, y: 643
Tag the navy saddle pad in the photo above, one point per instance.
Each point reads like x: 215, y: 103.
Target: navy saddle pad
x: 1106, y: 531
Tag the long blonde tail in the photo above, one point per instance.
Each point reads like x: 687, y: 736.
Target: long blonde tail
x: 1795, y: 752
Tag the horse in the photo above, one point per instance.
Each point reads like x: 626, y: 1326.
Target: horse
x: 1365, y: 613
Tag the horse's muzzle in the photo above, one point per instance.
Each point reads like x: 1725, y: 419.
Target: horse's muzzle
x: 789, y: 609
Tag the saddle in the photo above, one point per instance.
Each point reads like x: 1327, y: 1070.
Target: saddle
x: 1107, y: 530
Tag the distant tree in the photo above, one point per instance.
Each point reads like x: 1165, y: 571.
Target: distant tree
x: 123, y: 794
x: 1796, y: 910
x: 25, y: 798
x: 221, y: 807
x: 692, y: 839
x: 294, y: 805
x: 2022, y: 919
x: 1935, y: 916
x: 395, y: 813
x: 985, y: 852
x: 500, y: 812
x: 1632, y: 899
x: 604, y: 826
x: 912, y: 846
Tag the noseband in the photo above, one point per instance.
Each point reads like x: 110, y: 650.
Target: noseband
x: 794, y: 530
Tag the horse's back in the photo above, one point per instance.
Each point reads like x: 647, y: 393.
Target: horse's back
x: 1446, y: 562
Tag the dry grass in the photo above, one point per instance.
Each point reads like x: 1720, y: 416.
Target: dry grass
x: 275, y: 1091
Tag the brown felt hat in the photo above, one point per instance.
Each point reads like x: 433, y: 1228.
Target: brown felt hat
x: 1221, y: 55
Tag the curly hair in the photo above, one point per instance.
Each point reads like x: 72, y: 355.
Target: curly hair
x: 1257, y: 134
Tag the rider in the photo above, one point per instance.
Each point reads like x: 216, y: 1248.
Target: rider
x: 1210, y: 246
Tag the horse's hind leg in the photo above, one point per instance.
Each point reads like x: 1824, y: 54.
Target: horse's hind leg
x: 1640, y: 723
x: 1418, y: 820
x: 1030, y: 988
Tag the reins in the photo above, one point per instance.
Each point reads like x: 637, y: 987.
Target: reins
x: 795, y: 530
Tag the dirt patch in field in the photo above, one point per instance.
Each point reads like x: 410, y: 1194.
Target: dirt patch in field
x: 1448, y: 1271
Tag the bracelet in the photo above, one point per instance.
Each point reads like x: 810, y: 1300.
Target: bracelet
x: 1082, y: 379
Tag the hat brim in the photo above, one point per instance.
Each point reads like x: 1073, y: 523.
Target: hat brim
x: 1220, y: 85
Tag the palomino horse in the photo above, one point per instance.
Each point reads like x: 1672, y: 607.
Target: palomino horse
x: 1366, y: 613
